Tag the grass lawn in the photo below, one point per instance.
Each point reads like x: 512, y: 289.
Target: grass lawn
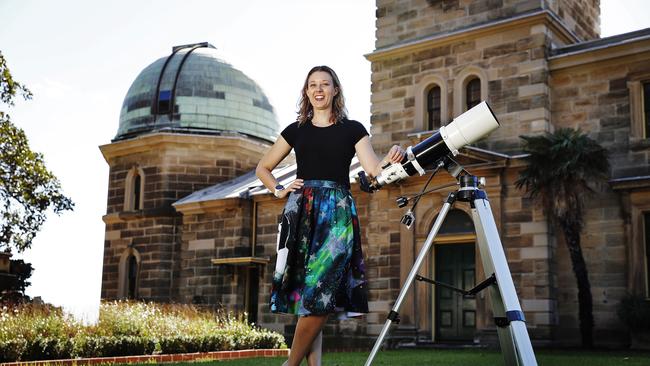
x: 453, y: 358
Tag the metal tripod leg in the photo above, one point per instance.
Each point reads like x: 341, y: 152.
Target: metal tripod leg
x: 511, y: 328
x: 393, y: 315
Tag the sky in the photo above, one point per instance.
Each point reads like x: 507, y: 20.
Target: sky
x: 80, y: 57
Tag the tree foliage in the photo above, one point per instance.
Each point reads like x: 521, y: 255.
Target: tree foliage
x: 561, y: 169
x: 14, y: 284
x: 27, y: 188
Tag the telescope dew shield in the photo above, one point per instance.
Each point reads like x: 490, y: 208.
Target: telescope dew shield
x: 469, y: 127
x: 465, y: 129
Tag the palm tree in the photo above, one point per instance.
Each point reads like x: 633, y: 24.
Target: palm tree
x: 560, y: 169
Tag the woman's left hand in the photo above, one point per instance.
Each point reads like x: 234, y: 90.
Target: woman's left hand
x: 395, y: 155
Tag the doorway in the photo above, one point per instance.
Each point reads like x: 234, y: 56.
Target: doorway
x: 455, y: 314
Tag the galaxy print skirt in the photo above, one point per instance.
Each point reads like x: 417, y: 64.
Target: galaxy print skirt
x: 319, y: 267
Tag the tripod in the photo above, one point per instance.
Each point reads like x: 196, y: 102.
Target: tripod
x: 508, y: 316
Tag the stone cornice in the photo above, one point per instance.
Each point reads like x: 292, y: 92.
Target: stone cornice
x: 200, y: 207
x: 124, y: 216
x: 633, y: 49
x: 156, y: 140
x: 539, y: 17
x: 630, y: 183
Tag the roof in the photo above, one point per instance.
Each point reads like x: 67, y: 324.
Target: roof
x: 600, y: 43
x: 192, y: 90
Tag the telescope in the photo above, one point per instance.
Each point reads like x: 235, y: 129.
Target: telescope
x: 465, y: 129
x: 439, y: 150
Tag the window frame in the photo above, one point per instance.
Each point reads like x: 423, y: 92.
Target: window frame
x: 639, y: 121
x: 130, y: 189
x: 460, y: 87
x: 123, y: 273
x: 421, y: 92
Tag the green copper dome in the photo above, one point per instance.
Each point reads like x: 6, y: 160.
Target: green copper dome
x: 193, y: 91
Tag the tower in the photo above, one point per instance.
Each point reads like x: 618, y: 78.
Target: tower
x: 435, y: 59
x: 189, y: 121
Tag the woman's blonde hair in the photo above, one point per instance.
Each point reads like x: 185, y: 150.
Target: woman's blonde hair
x: 306, y: 110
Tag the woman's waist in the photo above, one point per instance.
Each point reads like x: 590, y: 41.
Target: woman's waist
x: 322, y: 183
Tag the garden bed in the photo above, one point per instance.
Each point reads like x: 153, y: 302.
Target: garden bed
x: 30, y: 333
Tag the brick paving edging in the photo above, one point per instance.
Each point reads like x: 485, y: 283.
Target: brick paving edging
x: 179, y: 357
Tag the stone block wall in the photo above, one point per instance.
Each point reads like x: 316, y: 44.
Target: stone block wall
x: 400, y: 21
x: 530, y: 248
x: 173, y: 166
x: 403, y: 20
x: 223, y: 232
x: 176, y: 165
x: 582, y: 17
x: 513, y: 69
x: 595, y: 97
x: 155, y: 239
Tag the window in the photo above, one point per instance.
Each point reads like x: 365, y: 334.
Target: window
x: 646, y: 109
x: 470, y: 88
x: 132, y: 277
x: 431, y: 103
x: 433, y: 108
x: 458, y: 227
x: 639, y: 94
x: 129, y: 274
x: 473, y: 93
x: 164, y: 99
x: 134, y: 190
x: 457, y: 222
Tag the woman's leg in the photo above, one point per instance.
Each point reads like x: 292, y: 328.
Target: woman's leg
x: 316, y: 351
x: 307, y: 330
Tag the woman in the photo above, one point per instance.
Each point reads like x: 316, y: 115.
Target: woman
x: 320, y: 268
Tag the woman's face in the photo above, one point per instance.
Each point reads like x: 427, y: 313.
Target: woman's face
x: 321, y: 90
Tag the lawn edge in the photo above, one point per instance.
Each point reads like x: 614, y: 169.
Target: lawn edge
x: 178, y: 357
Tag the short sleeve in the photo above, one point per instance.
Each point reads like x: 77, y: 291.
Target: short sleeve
x: 358, y: 131
x: 289, y: 133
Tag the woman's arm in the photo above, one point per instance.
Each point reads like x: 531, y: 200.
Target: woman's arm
x: 369, y: 160
x: 269, y: 161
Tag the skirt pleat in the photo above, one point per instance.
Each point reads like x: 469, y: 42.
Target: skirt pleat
x: 319, y: 267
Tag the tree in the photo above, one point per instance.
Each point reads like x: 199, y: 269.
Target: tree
x: 561, y: 168
x: 14, y: 283
x: 27, y: 188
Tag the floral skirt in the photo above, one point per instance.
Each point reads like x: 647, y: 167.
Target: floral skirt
x: 319, y: 267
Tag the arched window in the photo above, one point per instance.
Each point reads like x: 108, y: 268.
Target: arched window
x: 433, y: 108
x: 129, y: 274
x: 134, y: 190
x: 470, y: 88
x: 430, y: 103
x: 457, y: 222
x: 132, y: 277
x: 473, y: 93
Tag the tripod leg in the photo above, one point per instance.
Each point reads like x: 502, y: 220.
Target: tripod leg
x: 512, y: 332
x: 393, y: 315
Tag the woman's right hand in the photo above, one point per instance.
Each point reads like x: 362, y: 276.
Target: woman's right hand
x: 296, y: 184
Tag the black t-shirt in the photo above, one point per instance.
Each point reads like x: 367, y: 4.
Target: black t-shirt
x: 324, y: 153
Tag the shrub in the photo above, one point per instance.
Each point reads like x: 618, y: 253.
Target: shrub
x: 109, y: 346
x: 12, y: 349
x: 124, y: 329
